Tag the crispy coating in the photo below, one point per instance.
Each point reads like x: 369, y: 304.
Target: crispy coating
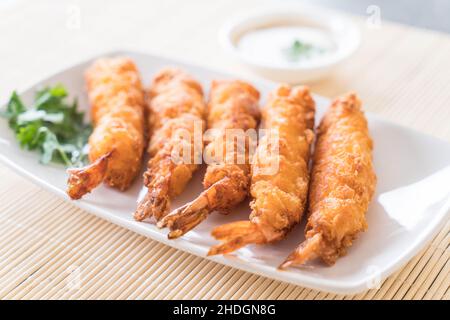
x: 232, y: 105
x: 176, y: 112
x: 342, y: 184
x: 117, y: 143
x: 279, y: 196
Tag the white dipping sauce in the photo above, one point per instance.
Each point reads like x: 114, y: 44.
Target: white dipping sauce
x: 274, y: 45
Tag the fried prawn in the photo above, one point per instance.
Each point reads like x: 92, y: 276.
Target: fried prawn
x: 176, y: 118
x: 117, y: 143
x: 342, y: 184
x: 232, y: 108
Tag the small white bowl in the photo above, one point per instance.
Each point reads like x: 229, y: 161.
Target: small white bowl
x: 342, y: 31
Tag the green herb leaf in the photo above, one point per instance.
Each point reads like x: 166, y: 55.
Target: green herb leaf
x: 28, y: 136
x: 13, y: 109
x: 51, y: 125
x: 299, y: 50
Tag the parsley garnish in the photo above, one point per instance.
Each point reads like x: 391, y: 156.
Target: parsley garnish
x: 51, y: 125
x: 299, y: 50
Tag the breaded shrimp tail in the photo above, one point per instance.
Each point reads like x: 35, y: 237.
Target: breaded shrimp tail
x: 233, y: 105
x: 342, y: 184
x: 156, y: 202
x: 308, y: 250
x: 229, y: 190
x: 117, y: 111
x: 236, y: 235
x: 176, y: 112
x: 83, y: 180
x: 280, y: 176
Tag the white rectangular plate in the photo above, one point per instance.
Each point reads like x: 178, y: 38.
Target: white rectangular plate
x: 411, y: 205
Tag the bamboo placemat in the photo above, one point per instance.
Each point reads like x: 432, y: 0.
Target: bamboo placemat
x: 50, y: 249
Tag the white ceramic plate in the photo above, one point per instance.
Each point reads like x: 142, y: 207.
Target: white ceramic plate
x: 411, y: 205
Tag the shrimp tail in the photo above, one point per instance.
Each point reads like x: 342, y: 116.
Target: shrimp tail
x: 190, y: 215
x: 306, y: 251
x: 185, y: 218
x: 84, y: 180
x: 235, y: 235
x: 156, y: 202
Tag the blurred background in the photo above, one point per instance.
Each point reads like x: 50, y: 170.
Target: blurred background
x: 430, y: 14
x: 40, y: 37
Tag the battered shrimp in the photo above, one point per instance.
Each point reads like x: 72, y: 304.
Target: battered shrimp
x: 176, y: 117
x: 342, y: 184
x: 232, y: 105
x: 280, y: 175
x: 117, y: 143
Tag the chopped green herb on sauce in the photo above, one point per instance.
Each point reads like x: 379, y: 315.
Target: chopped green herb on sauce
x: 299, y: 50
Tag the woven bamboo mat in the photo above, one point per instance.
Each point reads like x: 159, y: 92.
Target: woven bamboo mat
x: 50, y: 249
